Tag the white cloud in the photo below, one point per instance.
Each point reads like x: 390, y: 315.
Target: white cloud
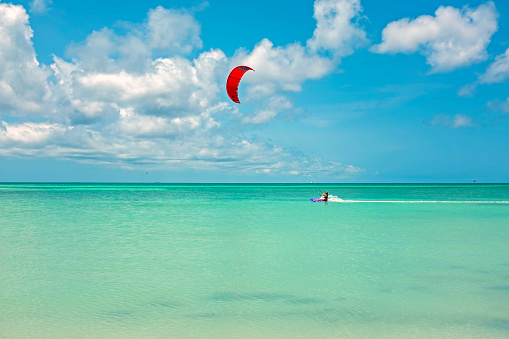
x: 499, y: 106
x: 201, y: 151
x: 452, y: 121
x: 172, y: 31
x: 29, y: 133
x: 505, y: 106
x: 132, y: 124
x: 337, y: 27
x: 168, y: 32
x: 23, y: 82
x: 498, y: 71
x: 169, y: 86
x: 39, y: 6
x: 467, y: 90
x: 285, y: 68
x: 451, y: 39
x: 276, y: 104
x: 136, y: 98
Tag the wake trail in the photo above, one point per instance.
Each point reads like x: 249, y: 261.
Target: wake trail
x: 333, y: 198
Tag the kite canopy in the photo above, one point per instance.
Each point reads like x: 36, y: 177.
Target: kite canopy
x: 232, y: 84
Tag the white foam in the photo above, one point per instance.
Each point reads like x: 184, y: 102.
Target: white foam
x: 333, y: 198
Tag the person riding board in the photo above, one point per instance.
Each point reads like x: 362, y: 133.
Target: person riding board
x: 325, y: 197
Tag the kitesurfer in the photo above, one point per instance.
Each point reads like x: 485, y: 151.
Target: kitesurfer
x: 325, y: 197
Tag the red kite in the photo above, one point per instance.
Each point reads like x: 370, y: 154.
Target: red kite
x: 232, y: 84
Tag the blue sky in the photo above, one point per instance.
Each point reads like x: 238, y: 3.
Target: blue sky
x: 343, y: 91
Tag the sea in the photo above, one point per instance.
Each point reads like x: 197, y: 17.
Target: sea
x: 112, y: 260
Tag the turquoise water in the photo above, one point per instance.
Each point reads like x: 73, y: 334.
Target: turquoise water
x: 253, y: 261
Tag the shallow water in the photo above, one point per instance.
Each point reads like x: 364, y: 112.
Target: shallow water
x: 254, y: 261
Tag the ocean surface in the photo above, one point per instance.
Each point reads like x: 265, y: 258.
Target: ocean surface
x: 254, y: 261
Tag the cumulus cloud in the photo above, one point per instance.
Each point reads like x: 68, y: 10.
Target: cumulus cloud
x: 165, y: 32
x: 451, y: 39
x: 134, y: 97
x: 452, y: 121
x: 24, y: 88
x: 29, y: 133
x: 172, y: 31
x: 337, y: 27
x: 168, y: 87
x: 285, y: 68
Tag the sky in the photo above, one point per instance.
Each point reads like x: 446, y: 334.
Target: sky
x: 344, y: 91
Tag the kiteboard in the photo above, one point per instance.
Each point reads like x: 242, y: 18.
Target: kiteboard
x: 316, y: 200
